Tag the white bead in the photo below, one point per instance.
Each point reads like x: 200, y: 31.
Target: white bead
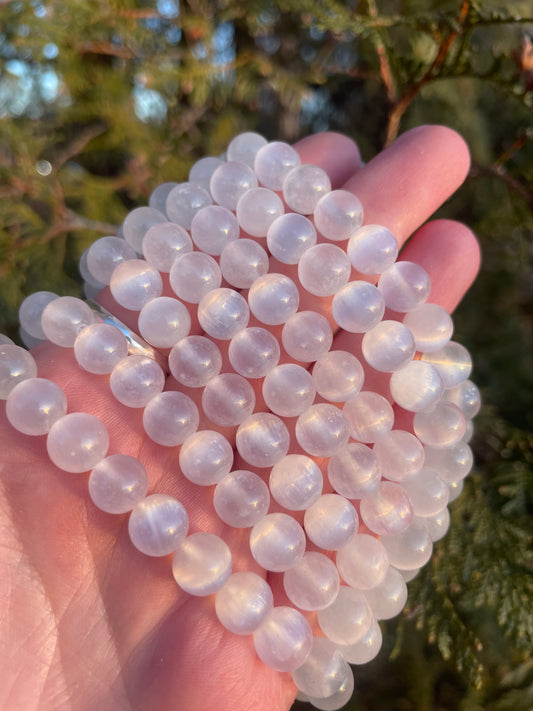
x: 118, y: 483
x: 230, y: 181
x: 184, y: 201
x: 77, y: 442
x: 389, y: 597
x: 134, y: 282
x: 158, y: 196
x: 366, y: 649
x: 306, y: 336
x: 170, y: 417
x: 104, y: 256
x: 201, y: 171
x: 193, y: 275
x: 338, y: 215
x: 33, y: 406
x: 412, y: 549
x: 135, y: 380
x: 296, y: 482
x: 358, y: 307
x: 194, y: 360
x: 277, y: 542
x: 441, y: 428
x: 228, y: 399
x: 5, y: 340
x: 427, y: 491
x: 222, y: 313
x: 31, y: 310
x: 63, y: 318
x: 304, y: 186
x: 16, y: 365
x: 348, y: 619
x: 372, y: 249
x: 86, y: 275
x: 338, y: 376
x: 214, y: 227
x: 322, y: 430
x: 389, y: 346
x: 469, y: 432
x: 456, y: 490
x: 330, y: 522
x: 273, y: 298
x: 284, y: 639
x: 288, y: 390
x: 340, y: 698
x: 243, y: 603
x: 163, y: 243
x: 99, y: 347
x: 137, y: 224
x: 453, y: 363
x: 205, y: 457
x: 253, y: 352
x: 323, y: 269
x: 313, y: 583
x: 164, y: 321
x: 274, y: 162
x: 387, y: 511
x: 262, y: 439
x: 158, y: 524
x: 431, y: 326
x: 354, y: 472
x: 242, y: 262
x: 399, y: 455
x: 202, y: 564
x: 324, y: 671
x: 257, y: 209
x: 437, y: 526
x: 369, y: 416
x: 467, y: 398
x: 451, y: 464
x: 243, y: 148
x: 417, y: 386
x: 404, y: 285
x: 363, y: 562
x: 289, y: 236
x: 28, y: 340
x: 241, y: 499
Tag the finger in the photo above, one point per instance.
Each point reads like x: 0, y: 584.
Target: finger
x: 335, y: 153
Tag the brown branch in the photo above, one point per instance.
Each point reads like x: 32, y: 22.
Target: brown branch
x: 383, y: 59
x: 498, y: 171
x: 517, y: 144
x: 78, y: 144
x: 106, y: 48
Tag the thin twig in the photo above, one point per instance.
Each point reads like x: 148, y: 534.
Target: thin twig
x: 383, y: 59
x: 498, y: 171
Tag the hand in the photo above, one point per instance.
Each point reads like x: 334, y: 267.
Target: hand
x: 90, y: 624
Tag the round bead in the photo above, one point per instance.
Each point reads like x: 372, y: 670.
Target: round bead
x: 369, y: 416
x: 230, y: 181
x: 366, y: 649
x: 387, y: 511
x: 31, y: 310
x: 222, y: 313
x: 274, y: 162
x: 134, y: 282
x: 158, y: 196
x: 417, y: 386
x: 348, y: 618
x: 16, y: 365
x: 118, y: 483
x: 193, y: 275
x: 158, y: 524
x: 323, y: 269
x: 243, y: 148
x: 63, y: 318
x: 5, y: 340
x: 388, y: 347
x: 202, y: 171
x: 441, y: 428
x: 77, y: 442
x: 313, y: 583
x: 296, y: 482
x: 451, y: 464
x: 338, y: 214
x: 289, y: 236
x: 257, y: 209
x: 431, y: 326
x: 89, y: 280
x: 194, y: 360
x: 288, y: 390
x: 354, y: 472
x: 453, y: 363
x: 33, y: 406
x: 363, y: 562
x: 243, y: 603
x: 202, y: 564
x: 304, y: 186
x: 358, y: 307
x: 135, y: 380
x: 205, y: 457
x: 306, y: 336
x: 164, y: 321
x: 404, y: 285
x: 399, y: 455
x: 163, y: 243
x: 273, y: 298
x: 330, y: 522
x: 99, y: 347
x: 340, y: 698
x: 214, y: 227
x: 427, y: 491
x: 437, y: 525
x: 388, y: 599
x: 241, y: 499
x: 104, y: 256
x: 284, y: 639
x: 253, y: 352
x: 228, y: 399
x: 324, y: 671
x: 170, y: 417
x: 184, y: 201
x: 456, y: 490
x: 262, y: 440
x: 412, y: 549
x: 137, y: 224
x: 322, y: 430
x: 277, y: 542
x: 242, y: 262
x: 27, y: 340
x: 467, y: 398
x: 338, y: 376
x: 372, y: 249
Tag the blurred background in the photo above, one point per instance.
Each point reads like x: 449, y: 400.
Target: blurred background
x: 102, y: 100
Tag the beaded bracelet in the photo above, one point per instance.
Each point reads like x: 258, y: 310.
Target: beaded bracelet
x: 402, y: 482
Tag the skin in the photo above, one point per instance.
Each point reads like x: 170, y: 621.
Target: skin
x: 87, y: 623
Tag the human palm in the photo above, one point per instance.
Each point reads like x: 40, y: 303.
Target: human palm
x: 87, y: 622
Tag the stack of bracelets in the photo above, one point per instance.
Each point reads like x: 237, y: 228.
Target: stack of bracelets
x: 341, y: 436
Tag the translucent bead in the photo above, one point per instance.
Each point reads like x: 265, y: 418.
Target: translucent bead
x: 135, y: 380
x: 399, y: 455
x: 118, y: 483
x: 437, y: 526
x: 387, y: 511
x: 193, y: 275
x: 340, y: 698
x: 230, y: 181
x: 451, y: 464
x: 372, y: 249
x: 164, y: 321
x: 289, y: 237
x: 158, y: 524
x: 214, y: 227
x: 330, y: 522
x: 100, y: 347
x: 273, y: 298
x: 63, y: 318
x: 253, y: 352
x: 441, y: 428
x: 194, y: 360
x: 358, y: 307
x: 427, y: 492
x: 28, y: 340
x: 338, y: 215
x: 137, y: 224
x: 77, y: 442
x: 411, y: 549
x: 228, y: 399
x: 338, y: 376
x: 417, y: 386
x: 163, y: 243
x: 453, y: 363
x: 304, y: 186
x: 243, y: 148
x: 241, y: 499
x: 277, y: 542
x: 243, y: 603
x: 16, y: 365
x: 205, y: 457
x: 369, y: 416
x: 296, y: 482
x: 104, y: 255
x: 431, y: 326
x: 323, y: 269
x: 322, y: 430
x: 158, y: 196
x: 202, y: 564
x: 404, y: 285
x: 257, y: 209
x: 274, y: 162
x: 306, y: 336
x: 170, y: 417
x: 366, y: 649
x: 201, y: 171
x: 467, y: 398
x: 134, y: 283
x: 363, y: 562
x: 242, y: 262
x: 86, y: 275
x: 313, y: 583
x: 5, y: 340
x: 222, y: 313
x: 262, y: 439
x: 284, y: 639
x: 288, y: 390
x: 184, y: 202
x: 469, y: 432
x: 348, y: 618
x: 31, y: 310
x: 33, y: 406
x: 456, y: 489
x: 324, y: 671
x: 388, y: 347
x: 389, y: 597
x: 354, y: 472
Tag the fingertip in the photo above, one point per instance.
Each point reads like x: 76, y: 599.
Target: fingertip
x: 449, y: 143
x: 335, y: 153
